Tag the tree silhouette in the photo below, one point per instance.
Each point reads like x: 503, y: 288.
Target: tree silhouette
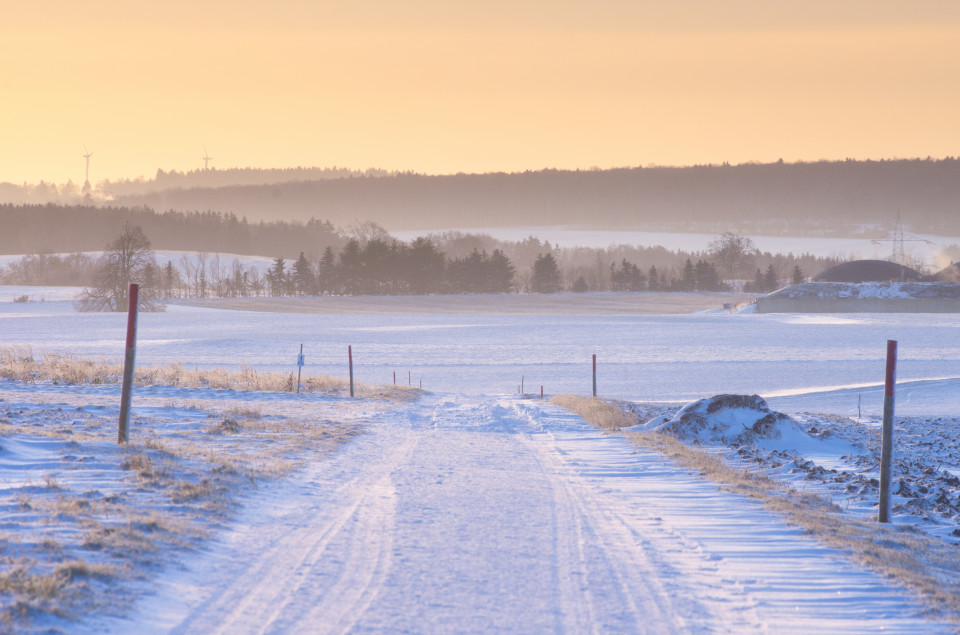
x: 546, y: 275
x: 797, y: 274
x: 277, y: 277
x: 127, y: 260
x: 501, y: 273
x: 733, y: 254
x: 303, y: 279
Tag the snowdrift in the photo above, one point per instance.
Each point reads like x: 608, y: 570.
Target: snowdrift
x: 725, y: 419
x: 867, y: 297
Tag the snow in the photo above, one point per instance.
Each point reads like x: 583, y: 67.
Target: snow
x: 481, y: 515
x: 35, y: 293
x: 797, y: 362
x: 474, y: 509
x: 870, y: 290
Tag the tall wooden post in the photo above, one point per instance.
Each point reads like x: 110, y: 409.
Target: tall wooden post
x: 128, y: 361
x: 350, y: 359
x: 594, y: 375
x: 886, y: 443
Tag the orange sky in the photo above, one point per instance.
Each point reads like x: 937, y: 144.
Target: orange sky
x: 432, y: 86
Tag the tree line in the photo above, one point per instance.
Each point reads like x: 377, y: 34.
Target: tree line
x: 374, y: 266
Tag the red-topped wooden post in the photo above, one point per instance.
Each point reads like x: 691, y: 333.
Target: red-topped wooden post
x: 886, y: 444
x: 128, y: 361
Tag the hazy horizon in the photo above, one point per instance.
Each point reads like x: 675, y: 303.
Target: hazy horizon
x: 436, y: 88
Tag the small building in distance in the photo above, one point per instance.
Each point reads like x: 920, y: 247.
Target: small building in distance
x: 857, y: 271
x: 864, y: 297
x: 869, y: 286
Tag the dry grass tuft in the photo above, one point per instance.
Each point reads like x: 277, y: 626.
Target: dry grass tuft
x: 243, y: 412
x: 121, y: 539
x: 139, y: 463
x: 39, y: 589
x: 189, y: 491
x: 226, y: 426
x: 927, y: 566
x: 600, y: 413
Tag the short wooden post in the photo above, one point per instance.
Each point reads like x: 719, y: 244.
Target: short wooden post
x: 541, y: 392
x: 521, y: 385
x: 128, y: 361
x: 350, y: 360
x: 299, y: 367
x: 594, y: 375
x: 409, y: 381
x: 421, y: 384
x: 886, y: 443
x: 394, y: 378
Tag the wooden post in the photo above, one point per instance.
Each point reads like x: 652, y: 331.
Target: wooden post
x: 421, y: 384
x: 521, y: 385
x: 409, y: 381
x: 886, y: 444
x: 394, y: 378
x: 594, y: 375
x: 350, y: 359
x: 541, y: 392
x: 128, y: 361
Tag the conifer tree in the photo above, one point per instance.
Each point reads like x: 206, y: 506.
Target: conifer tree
x: 546, y: 275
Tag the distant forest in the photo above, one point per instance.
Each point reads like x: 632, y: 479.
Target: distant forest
x: 28, y: 229
x: 213, y: 178
x: 821, y: 198
x: 105, y: 191
x: 360, y: 259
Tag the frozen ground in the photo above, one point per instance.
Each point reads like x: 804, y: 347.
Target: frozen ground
x: 472, y: 510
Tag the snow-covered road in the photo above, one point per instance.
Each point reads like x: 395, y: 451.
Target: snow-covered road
x: 496, y: 514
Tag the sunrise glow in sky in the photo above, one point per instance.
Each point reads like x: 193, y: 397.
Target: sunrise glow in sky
x: 438, y: 86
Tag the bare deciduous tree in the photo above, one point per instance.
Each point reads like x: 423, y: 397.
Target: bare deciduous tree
x: 128, y: 259
x: 733, y: 254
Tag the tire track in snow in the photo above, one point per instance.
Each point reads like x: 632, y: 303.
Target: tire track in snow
x: 492, y: 514
x: 282, y: 579
x: 726, y: 564
x: 369, y: 559
x: 598, y: 548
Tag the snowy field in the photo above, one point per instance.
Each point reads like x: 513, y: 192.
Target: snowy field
x: 471, y: 509
x: 824, y: 363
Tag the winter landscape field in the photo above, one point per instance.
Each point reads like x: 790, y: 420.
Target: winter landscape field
x: 469, y: 507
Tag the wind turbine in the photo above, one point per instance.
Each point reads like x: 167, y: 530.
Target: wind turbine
x: 206, y: 159
x: 86, y: 179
